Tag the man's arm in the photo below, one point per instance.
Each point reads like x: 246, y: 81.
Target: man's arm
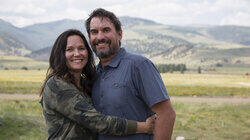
x: 164, y: 121
x: 153, y: 92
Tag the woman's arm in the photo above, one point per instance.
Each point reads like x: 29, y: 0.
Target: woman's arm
x: 66, y: 99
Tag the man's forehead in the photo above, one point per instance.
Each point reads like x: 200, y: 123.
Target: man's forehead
x: 100, y: 21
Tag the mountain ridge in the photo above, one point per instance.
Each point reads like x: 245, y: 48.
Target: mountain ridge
x: 160, y: 43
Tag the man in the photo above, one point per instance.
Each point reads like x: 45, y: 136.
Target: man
x: 128, y: 85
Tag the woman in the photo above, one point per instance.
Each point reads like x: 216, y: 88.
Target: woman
x: 66, y: 92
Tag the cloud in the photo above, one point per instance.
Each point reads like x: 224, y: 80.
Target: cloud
x: 29, y: 9
x: 17, y: 20
x: 158, y: 11
x: 231, y: 5
x: 75, y: 13
x: 237, y: 19
x: 174, y: 12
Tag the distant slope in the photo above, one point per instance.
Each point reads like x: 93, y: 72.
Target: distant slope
x: 233, y: 34
x: 46, y: 33
x: 229, y: 34
x: 12, y: 46
x: 41, y: 55
x: 129, y: 22
x: 9, y: 40
x: 8, y: 30
x: 172, y: 44
x: 192, y: 45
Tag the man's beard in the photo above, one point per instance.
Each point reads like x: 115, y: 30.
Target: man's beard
x: 107, y: 53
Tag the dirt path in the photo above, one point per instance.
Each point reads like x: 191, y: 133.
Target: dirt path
x: 229, y: 100
x: 19, y: 96
x: 173, y: 99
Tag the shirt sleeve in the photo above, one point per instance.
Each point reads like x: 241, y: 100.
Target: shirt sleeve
x: 71, y: 104
x: 149, y: 83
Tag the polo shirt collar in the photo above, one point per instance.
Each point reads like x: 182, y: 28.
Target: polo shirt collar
x: 115, y: 61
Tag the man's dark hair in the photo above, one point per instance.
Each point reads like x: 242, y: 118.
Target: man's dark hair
x: 104, y: 14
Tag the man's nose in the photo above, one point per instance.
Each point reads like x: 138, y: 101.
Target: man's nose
x: 100, y: 36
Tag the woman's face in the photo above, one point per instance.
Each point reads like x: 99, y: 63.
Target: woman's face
x: 76, y: 54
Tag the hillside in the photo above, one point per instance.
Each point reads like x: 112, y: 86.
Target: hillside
x: 192, y: 45
x: 171, y: 44
x: 233, y: 34
x: 19, y: 34
x: 12, y: 46
x: 46, y: 33
x: 41, y: 55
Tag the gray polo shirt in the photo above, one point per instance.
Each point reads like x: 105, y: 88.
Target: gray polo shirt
x: 128, y: 87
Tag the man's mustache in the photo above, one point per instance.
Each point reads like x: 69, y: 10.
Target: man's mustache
x: 96, y: 42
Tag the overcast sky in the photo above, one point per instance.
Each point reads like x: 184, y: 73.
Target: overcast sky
x: 170, y: 12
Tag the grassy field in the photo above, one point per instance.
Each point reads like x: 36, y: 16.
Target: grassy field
x: 207, y: 84
x: 29, y: 82
x: 23, y: 120
x: 18, y: 62
x: 21, y: 81
x: 212, y: 121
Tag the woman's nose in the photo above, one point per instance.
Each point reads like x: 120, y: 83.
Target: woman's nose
x: 76, y: 52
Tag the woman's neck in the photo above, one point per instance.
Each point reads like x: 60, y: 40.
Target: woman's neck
x: 77, y: 77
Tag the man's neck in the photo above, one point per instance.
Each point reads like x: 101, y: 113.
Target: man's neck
x: 105, y: 61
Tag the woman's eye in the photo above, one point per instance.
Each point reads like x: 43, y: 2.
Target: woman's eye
x: 69, y: 49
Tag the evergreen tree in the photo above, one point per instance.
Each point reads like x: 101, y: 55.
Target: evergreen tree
x: 199, y: 69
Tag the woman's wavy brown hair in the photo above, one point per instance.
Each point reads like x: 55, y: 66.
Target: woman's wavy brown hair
x: 57, y: 62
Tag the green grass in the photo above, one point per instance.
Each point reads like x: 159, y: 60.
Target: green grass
x: 231, y: 70
x: 21, y: 81
x: 217, y: 80
x: 23, y: 119
x: 208, y: 91
x: 29, y: 82
x: 207, y: 84
x: 19, y: 87
x: 17, y: 62
x: 212, y: 121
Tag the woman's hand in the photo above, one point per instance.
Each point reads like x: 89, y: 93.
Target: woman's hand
x: 150, y: 124
x: 146, y: 127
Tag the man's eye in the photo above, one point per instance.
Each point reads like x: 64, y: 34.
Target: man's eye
x: 93, y: 32
x: 106, y: 30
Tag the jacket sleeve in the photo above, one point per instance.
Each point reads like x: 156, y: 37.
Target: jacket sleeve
x: 66, y: 99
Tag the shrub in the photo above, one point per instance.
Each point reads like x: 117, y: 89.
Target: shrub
x: 24, y: 68
x: 218, y: 65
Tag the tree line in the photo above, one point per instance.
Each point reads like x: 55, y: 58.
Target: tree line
x: 163, y: 68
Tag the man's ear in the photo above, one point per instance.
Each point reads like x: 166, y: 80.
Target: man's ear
x: 120, y: 34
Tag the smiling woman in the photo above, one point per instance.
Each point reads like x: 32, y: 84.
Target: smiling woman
x: 76, y: 54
